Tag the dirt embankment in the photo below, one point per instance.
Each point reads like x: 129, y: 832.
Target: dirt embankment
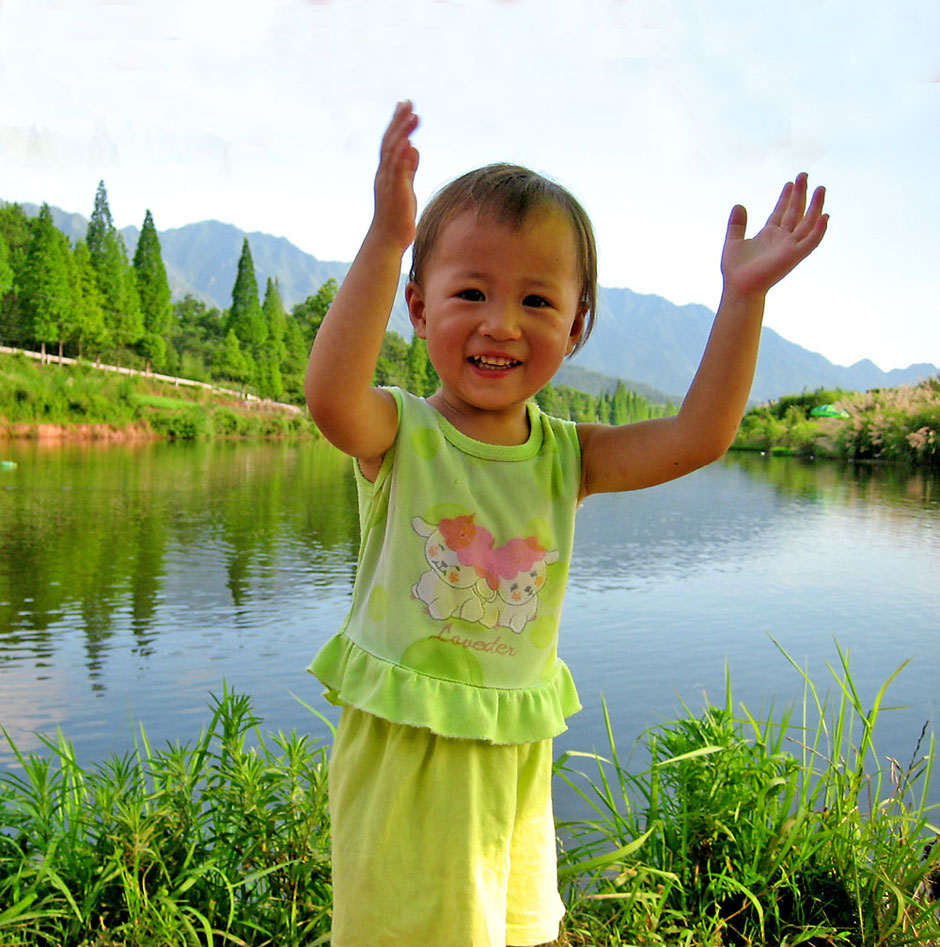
x: 108, y: 433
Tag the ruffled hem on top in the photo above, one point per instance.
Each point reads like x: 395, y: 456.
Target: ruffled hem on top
x: 449, y: 708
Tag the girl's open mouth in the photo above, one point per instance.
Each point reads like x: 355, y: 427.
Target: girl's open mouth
x: 493, y: 363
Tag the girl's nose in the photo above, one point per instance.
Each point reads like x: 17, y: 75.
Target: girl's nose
x: 500, y: 321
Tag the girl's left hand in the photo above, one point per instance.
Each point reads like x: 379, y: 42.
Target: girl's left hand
x: 792, y: 232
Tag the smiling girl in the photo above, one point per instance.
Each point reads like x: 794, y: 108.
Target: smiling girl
x: 447, y: 666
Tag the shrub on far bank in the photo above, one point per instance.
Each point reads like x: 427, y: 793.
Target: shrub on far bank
x: 890, y: 424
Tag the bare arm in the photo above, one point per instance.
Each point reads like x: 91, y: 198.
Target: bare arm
x: 632, y: 456
x: 357, y: 418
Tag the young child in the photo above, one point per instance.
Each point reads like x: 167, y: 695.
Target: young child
x: 446, y: 667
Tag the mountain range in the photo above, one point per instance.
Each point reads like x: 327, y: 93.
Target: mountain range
x: 652, y: 343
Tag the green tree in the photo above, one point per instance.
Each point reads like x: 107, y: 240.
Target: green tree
x: 153, y: 291
x: 547, y: 399
x: 116, y: 281
x: 6, y: 283
x: 197, y: 334
x: 311, y: 311
x: 273, y: 310
x: 294, y: 364
x: 90, y: 333
x: 47, y: 291
x: 272, y: 352
x: 232, y: 362
x: 416, y: 366
x: 245, y: 317
x: 392, y: 365
x: 16, y: 233
x: 6, y: 268
x: 621, y: 409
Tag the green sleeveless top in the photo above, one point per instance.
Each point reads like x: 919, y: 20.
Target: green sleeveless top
x: 463, y: 563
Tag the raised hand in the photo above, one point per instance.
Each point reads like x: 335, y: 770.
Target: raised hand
x: 395, y: 202
x: 792, y: 232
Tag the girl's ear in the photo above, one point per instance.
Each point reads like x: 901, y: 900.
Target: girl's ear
x: 577, y: 327
x: 415, y: 301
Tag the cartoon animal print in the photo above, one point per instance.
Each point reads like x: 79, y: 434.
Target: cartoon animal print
x: 452, y: 587
x: 472, y: 578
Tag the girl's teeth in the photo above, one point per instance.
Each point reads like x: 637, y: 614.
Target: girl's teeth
x: 494, y: 362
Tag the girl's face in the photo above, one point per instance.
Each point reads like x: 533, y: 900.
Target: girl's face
x: 500, y: 308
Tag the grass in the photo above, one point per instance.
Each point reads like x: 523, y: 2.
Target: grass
x: 737, y: 831
x: 217, y: 842
x: 740, y: 831
x: 33, y: 394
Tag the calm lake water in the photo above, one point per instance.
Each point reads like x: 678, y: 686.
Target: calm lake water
x: 135, y: 580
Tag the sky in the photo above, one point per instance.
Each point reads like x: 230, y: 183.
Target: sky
x: 659, y: 115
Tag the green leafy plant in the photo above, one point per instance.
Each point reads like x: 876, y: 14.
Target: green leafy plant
x: 741, y: 831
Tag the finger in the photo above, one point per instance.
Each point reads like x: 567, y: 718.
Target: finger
x: 737, y: 224
x: 776, y: 215
x: 403, y: 123
x: 796, y: 206
x: 814, y: 238
x: 808, y: 224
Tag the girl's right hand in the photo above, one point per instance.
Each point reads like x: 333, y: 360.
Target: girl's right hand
x: 395, y: 202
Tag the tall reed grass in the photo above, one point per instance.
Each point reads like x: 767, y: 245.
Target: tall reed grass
x: 736, y: 831
x: 743, y: 831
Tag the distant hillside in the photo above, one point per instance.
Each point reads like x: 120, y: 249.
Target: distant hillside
x: 649, y: 338
x: 644, y: 339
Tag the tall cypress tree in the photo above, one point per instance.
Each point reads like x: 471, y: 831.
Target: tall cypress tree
x: 46, y: 288
x: 116, y: 281
x: 245, y: 316
x: 153, y: 291
x: 90, y: 332
x: 16, y: 233
x: 271, y: 356
x: 6, y: 268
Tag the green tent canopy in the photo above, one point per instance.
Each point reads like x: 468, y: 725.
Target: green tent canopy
x: 829, y: 411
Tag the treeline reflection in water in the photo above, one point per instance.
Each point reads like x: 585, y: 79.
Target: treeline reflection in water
x: 134, y: 580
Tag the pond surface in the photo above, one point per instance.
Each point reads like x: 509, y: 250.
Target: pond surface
x: 135, y: 580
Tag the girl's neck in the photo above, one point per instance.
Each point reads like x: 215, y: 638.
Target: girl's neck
x: 508, y: 427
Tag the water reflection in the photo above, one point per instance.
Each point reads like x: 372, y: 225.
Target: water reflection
x: 86, y: 533
x: 134, y: 579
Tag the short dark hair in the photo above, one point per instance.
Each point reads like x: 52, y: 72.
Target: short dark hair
x: 511, y: 193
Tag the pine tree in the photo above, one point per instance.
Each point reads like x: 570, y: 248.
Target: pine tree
x: 621, y: 409
x: 16, y: 233
x: 153, y: 291
x: 272, y: 354
x: 6, y: 268
x: 46, y: 287
x: 116, y: 281
x: 231, y: 362
x: 421, y: 377
x: 311, y: 311
x: 6, y: 286
x: 245, y: 317
x: 547, y: 399
x: 273, y: 310
x: 91, y: 334
x: 294, y: 365
x: 100, y: 228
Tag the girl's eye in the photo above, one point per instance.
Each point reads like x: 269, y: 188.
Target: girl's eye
x: 536, y: 302
x: 471, y: 295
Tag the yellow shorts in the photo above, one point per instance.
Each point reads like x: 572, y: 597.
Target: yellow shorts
x: 440, y: 842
